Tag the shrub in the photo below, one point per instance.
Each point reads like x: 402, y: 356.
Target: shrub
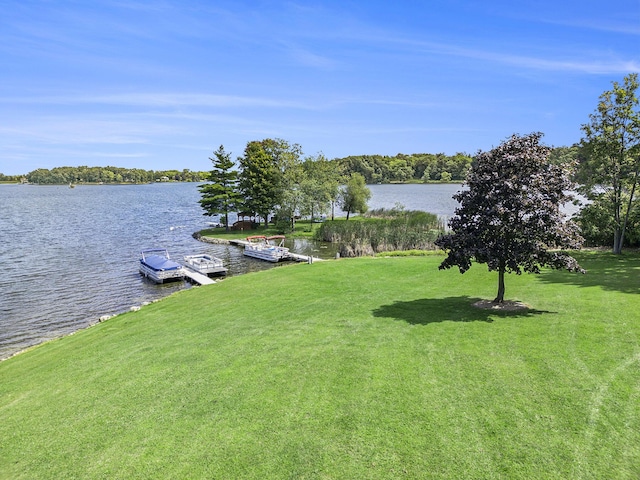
x: 597, y: 225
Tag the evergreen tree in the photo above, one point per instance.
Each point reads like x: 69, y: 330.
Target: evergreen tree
x: 221, y: 195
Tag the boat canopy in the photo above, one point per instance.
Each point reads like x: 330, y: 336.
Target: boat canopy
x: 257, y: 238
x: 158, y: 262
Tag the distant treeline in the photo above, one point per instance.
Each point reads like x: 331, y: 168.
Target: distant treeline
x: 426, y: 167
x: 76, y: 175
x: 10, y: 178
x: 417, y: 167
x: 401, y: 168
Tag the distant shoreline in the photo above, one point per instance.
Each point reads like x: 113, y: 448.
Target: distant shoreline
x: 90, y: 184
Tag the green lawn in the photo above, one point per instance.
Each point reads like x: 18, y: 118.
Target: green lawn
x: 350, y: 369
x: 304, y: 229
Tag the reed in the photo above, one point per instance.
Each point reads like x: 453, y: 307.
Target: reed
x: 383, y: 230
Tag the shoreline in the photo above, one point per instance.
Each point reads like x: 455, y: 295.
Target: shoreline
x: 101, y: 319
x: 214, y: 241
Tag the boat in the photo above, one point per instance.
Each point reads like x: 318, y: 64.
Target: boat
x: 158, y: 266
x: 271, y: 249
x: 205, y: 264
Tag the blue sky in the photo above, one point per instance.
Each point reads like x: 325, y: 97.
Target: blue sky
x: 161, y: 84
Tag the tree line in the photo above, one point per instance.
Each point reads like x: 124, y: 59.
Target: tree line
x: 401, y: 168
x: 272, y: 180
x: 11, y: 178
x: 84, y: 174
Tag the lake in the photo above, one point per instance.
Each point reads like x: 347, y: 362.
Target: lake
x: 70, y: 255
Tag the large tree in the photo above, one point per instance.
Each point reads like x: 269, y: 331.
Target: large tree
x: 287, y: 157
x: 259, y: 181
x: 321, y: 184
x: 221, y: 195
x: 355, y: 195
x: 510, y: 216
x: 610, y: 169
x: 266, y: 174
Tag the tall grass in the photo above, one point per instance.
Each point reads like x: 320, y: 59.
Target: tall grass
x: 383, y: 231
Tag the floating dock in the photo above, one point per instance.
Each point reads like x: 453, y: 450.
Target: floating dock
x: 303, y: 258
x: 198, y: 278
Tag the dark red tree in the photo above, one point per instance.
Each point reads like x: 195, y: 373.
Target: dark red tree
x: 510, y: 216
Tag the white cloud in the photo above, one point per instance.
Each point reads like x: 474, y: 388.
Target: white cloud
x: 605, y: 62
x: 157, y: 100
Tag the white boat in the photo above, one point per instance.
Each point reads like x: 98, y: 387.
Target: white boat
x: 205, y: 264
x: 158, y: 266
x: 271, y: 249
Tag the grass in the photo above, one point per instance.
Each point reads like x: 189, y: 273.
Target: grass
x: 304, y: 229
x: 360, y: 368
x: 411, y: 253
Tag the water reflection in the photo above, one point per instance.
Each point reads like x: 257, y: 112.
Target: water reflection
x: 312, y: 247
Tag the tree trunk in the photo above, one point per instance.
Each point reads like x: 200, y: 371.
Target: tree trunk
x: 617, y: 210
x: 629, y: 205
x: 500, y: 297
x: 617, y: 241
x: 348, y: 211
x: 226, y: 221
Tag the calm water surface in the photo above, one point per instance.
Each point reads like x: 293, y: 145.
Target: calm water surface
x: 434, y: 198
x: 70, y: 256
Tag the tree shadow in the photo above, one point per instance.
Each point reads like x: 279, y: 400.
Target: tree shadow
x: 606, y: 270
x: 452, y: 309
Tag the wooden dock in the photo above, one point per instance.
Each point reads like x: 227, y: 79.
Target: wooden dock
x: 238, y: 243
x: 198, y: 278
x: 304, y: 258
